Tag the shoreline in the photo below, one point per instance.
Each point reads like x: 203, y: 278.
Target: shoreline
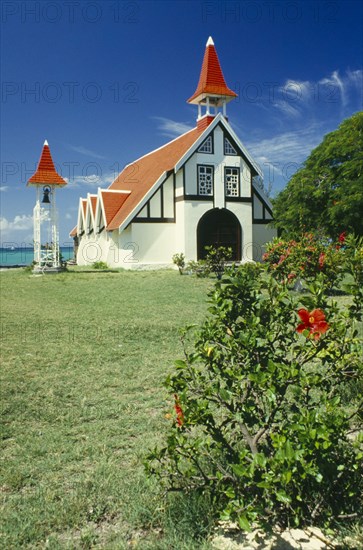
x: 13, y: 266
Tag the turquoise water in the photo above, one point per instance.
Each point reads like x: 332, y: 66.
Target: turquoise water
x: 25, y: 256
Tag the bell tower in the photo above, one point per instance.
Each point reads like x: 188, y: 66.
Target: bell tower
x: 212, y: 92
x: 45, y: 218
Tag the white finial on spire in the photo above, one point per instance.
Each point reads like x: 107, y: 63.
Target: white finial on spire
x: 46, y: 143
x: 210, y: 42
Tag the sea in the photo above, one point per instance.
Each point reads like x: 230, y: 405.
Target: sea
x: 12, y: 256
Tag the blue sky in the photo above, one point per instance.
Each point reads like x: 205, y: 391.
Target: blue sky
x: 106, y: 82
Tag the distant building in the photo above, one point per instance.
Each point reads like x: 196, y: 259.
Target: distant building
x: 199, y: 189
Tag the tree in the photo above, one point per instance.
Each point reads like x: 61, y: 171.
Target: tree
x: 327, y: 192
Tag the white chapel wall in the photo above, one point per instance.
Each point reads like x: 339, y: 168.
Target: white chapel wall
x: 262, y: 234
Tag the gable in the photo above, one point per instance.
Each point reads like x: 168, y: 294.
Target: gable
x: 90, y: 213
x: 232, y: 138
x: 161, y: 206
x: 112, y: 201
x: 261, y: 207
x: 81, y: 223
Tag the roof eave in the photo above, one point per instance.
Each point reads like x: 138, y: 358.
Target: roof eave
x: 200, y: 96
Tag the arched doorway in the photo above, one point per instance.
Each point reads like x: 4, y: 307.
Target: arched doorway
x: 219, y: 227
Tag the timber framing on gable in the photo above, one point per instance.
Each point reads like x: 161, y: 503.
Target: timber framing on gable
x: 160, y: 208
x: 266, y: 211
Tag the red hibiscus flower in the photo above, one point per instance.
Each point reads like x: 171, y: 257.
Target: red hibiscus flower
x: 282, y: 258
x: 322, y: 260
x: 179, y: 411
x: 342, y: 237
x: 314, y: 322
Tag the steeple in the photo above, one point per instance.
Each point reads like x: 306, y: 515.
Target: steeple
x: 212, y: 90
x: 46, y: 172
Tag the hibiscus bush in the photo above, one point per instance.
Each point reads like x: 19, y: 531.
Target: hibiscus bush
x: 258, y: 425
x: 306, y: 258
x: 353, y: 266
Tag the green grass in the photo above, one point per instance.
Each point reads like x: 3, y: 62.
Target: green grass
x: 84, y: 356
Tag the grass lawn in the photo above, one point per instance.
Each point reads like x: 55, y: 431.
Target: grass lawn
x: 84, y: 356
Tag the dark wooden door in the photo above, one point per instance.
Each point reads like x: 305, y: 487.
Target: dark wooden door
x: 219, y: 227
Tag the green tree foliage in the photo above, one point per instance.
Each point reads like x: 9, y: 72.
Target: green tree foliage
x: 327, y: 192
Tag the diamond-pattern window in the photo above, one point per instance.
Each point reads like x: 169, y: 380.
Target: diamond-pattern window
x: 231, y: 180
x: 205, y: 180
x: 207, y: 146
x: 228, y: 148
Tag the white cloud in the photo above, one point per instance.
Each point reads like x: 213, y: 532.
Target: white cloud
x: 281, y: 155
x: 299, y: 114
x: 19, y: 223
x: 296, y: 98
x: 84, y: 151
x: 171, y: 128
x: 92, y: 180
x: 292, y: 146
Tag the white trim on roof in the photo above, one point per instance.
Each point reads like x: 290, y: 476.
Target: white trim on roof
x: 98, y: 214
x: 90, y: 222
x: 262, y: 194
x: 100, y: 192
x: 81, y: 222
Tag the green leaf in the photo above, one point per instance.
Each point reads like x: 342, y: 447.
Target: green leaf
x: 180, y: 364
x: 244, y: 523
x: 239, y: 469
x: 283, y: 497
x: 225, y: 395
x: 260, y: 459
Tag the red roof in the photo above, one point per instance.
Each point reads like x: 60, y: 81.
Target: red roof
x: 211, y: 80
x: 141, y: 175
x: 46, y: 173
x: 112, y: 202
x: 93, y: 203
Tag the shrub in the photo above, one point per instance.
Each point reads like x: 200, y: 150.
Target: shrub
x: 179, y: 261
x: 258, y: 420
x: 353, y: 265
x: 200, y: 268
x: 305, y: 259
x: 217, y: 257
x: 99, y: 265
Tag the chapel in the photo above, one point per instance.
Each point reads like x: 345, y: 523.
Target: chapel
x: 202, y: 188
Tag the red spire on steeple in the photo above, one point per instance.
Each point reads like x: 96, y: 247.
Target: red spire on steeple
x: 211, y: 81
x: 46, y: 173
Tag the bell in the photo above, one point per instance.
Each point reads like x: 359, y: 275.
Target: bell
x: 46, y: 199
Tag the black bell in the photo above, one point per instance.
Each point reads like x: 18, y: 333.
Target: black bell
x: 46, y: 199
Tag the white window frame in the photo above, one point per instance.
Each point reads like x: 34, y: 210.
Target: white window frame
x: 205, y: 173
x: 207, y: 146
x: 232, y: 181
x: 228, y: 148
